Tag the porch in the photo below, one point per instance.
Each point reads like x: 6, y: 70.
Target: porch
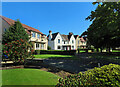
x: 66, y: 47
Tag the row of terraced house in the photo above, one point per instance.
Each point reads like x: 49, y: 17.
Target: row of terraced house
x: 55, y: 41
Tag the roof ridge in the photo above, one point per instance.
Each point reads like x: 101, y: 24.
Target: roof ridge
x: 8, y: 20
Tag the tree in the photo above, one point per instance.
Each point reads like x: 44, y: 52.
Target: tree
x: 17, y: 51
x: 104, y: 32
x: 84, y: 33
x: 16, y: 46
x: 15, y: 32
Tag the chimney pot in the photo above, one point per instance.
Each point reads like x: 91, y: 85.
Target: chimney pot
x: 70, y: 33
x: 50, y: 31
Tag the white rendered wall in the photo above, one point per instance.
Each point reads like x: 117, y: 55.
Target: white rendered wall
x: 72, y: 44
x: 56, y: 42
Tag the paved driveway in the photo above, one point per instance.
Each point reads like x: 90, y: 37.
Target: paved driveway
x: 73, y: 66
x: 83, y: 62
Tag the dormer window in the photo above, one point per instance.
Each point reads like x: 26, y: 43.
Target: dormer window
x: 38, y: 36
x: 33, y: 34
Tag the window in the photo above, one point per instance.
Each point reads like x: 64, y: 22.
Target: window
x: 33, y: 34
x: 82, y: 42
x: 78, y: 42
x: 37, y: 45
x: 67, y: 42
x: 72, y: 47
x: 58, y: 47
x: 38, y: 36
x: 58, y: 40
x: 72, y: 41
x: 42, y: 46
x: 64, y: 42
x: 78, y: 47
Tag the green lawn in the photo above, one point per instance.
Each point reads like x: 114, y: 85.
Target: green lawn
x: 82, y: 51
x: 46, y: 56
x: 115, y: 50
x: 28, y: 77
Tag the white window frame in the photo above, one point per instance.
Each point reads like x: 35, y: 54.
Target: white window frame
x: 58, y: 40
x: 38, y: 36
x: 37, y: 46
x: 72, y: 41
x: 33, y: 34
x: 72, y: 47
x: 78, y: 41
x: 42, y: 46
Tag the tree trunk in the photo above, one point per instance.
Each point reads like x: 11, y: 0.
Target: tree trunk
x: 101, y: 50
x: 97, y: 50
x: 78, y: 51
x: 109, y: 50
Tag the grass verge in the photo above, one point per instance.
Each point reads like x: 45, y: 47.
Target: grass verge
x: 28, y: 77
x: 46, y: 56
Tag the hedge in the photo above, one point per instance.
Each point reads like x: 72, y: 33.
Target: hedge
x: 106, y: 76
x: 58, y: 52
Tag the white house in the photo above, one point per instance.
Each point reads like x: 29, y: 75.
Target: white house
x: 59, y: 41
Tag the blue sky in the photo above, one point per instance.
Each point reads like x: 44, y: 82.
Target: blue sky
x: 63, y: 17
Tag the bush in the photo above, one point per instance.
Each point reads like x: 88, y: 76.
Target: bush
x: 17, y: 51
x: 49, y: 48
x: 37, y: 52
x: 59, y: 52
x: 106, y: 76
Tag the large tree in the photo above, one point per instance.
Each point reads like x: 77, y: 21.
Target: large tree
x: 16, y: 46
x: 104, y: 32
x: 15, y: 32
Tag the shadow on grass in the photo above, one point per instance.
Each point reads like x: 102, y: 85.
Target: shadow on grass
x: 84, y: 61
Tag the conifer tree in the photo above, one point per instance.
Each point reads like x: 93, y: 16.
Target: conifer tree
x: 15, y: 32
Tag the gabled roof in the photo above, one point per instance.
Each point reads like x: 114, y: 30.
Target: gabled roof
x: 69, y: 36
x: 76, y: 36
x: 54, y: 35
x: 82, y: 39
x: 28, y: 28
x: 64, y: 37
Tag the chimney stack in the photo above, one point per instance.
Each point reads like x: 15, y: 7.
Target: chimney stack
x: 70, y: 33
x: 50, y: 34
x: 50, y: 31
